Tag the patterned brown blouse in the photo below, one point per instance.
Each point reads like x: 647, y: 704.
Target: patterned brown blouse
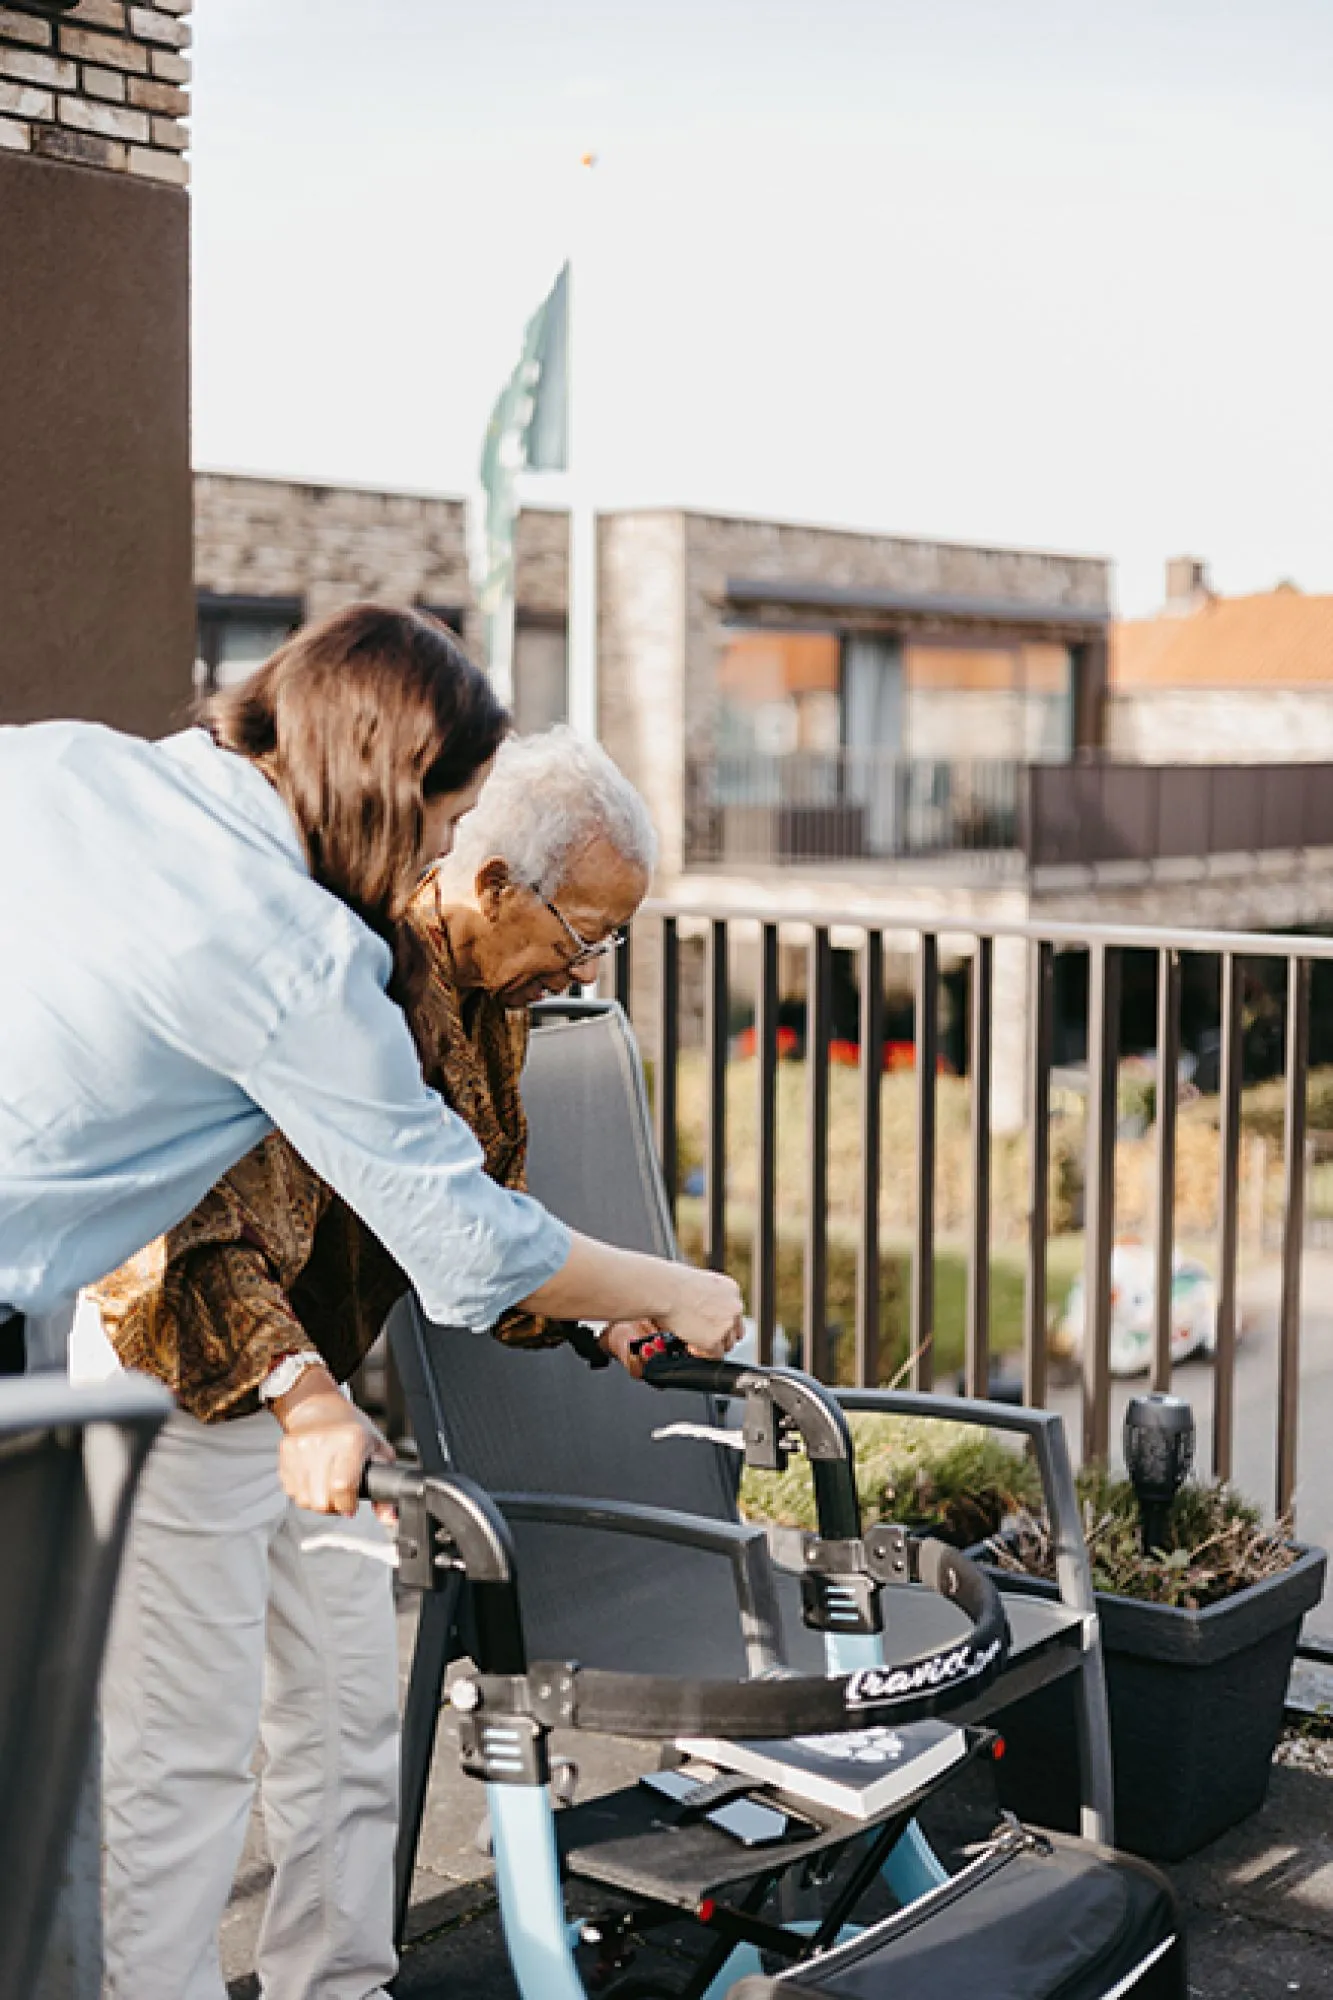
x: 272, y: 1260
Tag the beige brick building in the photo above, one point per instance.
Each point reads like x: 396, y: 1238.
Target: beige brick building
x: 717, y: 631
x: 271, y: 552
x: 1223, y: 680
x: 819, y: 720
x: 706, y: 623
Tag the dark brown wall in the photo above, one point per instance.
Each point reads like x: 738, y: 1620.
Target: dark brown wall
x: 96, y: 608
x: 1090, y: 682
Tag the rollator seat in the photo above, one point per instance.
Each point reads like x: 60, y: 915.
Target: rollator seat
x: 1056, y: 1921
x: 626, y: 1841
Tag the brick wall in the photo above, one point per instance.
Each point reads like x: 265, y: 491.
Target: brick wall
x: 541, y: 563
x: 327, y: 545
x: 330, y: 545
x: 1258, y: 725
x: 1230, y: 892
x: 100, y: 86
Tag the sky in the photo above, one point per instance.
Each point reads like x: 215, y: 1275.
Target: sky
x: 1038, y: 273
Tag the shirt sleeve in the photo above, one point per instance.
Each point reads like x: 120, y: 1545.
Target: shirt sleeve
x: 205, y: 1307
x: 340, y: 1077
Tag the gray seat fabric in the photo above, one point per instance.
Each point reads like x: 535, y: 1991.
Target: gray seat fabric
x: 70, y: 1458
x: 544, y: 1422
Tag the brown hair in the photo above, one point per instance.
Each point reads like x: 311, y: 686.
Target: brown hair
x: 357, y: 720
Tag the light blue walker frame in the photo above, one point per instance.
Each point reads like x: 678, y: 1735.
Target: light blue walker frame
x: 539, y: 1936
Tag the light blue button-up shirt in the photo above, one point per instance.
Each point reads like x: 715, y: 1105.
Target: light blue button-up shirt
x: 173, y: 984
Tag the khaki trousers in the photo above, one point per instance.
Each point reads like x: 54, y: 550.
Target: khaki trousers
x: 228, y: 1633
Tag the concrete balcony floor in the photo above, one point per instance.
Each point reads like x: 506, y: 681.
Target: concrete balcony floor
x: 1258, y: 1904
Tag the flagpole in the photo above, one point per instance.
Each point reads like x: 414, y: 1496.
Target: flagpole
x: 500, y: 649
x: 582, y: 676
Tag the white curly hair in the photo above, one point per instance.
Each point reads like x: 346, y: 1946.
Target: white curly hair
x: 548, y: 796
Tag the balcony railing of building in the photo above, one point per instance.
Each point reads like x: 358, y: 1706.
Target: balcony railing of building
x: 751, y: 810
x: 695, y: 974
x: 841, y: 805
x: 1087, y: 814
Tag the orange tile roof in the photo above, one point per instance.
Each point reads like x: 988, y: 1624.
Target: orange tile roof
x: 1278, y: 639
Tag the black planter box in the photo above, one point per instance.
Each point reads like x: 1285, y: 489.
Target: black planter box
x: 1196, y: 1701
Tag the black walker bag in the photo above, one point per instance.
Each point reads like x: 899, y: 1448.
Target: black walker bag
x: 1036, y: 1916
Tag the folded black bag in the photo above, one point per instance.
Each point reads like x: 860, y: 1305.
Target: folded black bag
x: 1035, y: 1917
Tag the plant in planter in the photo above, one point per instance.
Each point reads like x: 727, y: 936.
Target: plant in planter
x: 1200, y: 1609
x: 959, y: 1482
x: 1198, y: 1634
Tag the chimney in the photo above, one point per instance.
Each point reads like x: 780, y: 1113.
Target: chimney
x: 1187, y: 585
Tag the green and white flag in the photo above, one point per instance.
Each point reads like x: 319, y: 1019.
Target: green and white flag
x: 528, y: 431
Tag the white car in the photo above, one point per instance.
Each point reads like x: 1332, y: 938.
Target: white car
x: 1133, y: 1288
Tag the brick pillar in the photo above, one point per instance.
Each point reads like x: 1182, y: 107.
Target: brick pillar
x: 95, y: 567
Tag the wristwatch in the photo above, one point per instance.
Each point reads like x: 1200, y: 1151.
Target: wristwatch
x: 287, y: 1372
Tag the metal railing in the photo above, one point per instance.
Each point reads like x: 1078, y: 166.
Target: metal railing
x: 853, y: 805
x: 649, y: 976
x: 1090, y: 814
x: 817, y: 805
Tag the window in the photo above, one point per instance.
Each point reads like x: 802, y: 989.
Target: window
x: 778, y: 693
x: 541, y: 674
x: 1005, y: 700
x: 237, y: 634
x: 448, y: 614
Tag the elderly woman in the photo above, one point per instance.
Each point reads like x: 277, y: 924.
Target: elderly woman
x: 229, y: 1630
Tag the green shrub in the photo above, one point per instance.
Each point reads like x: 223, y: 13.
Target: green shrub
x: 895, y: 1290
x: 1217, y: 1544
x: 1136, y: 1099
x: 1263, y: 1106
x: 970, y: 1486
x: 953, y: 1479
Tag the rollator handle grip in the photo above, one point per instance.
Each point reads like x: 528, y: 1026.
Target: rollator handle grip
x: 668, y: 1364
x: 388, y: 1484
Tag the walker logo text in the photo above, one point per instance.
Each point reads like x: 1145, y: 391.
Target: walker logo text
x: 872, y: 1684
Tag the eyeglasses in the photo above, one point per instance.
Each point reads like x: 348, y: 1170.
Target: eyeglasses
x: 585, y: 950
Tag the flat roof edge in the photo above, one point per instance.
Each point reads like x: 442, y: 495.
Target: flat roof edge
x: 845, y: 597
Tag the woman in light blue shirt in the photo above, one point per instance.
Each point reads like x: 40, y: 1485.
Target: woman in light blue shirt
x: 193, y: 949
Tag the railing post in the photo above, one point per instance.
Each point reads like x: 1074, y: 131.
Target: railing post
x: 923, y: 1257
x: 764, y: 1285
x: 1168, y: 1068
x: 668, y: 1044
x: 1041, y: 963
x: 1029, y: 793
x: 1228, y: 1149
x: 1104, y: 968
x: 872, y: 1087
x: 980, y: 996
x: 818, y: 1012
x: 622, y: 969
x: 1293, y: 1229
x: 716, y: 1039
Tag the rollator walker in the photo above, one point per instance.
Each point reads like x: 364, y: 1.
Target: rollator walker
x: 1034, y: 1915
x: 592, y: 1522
